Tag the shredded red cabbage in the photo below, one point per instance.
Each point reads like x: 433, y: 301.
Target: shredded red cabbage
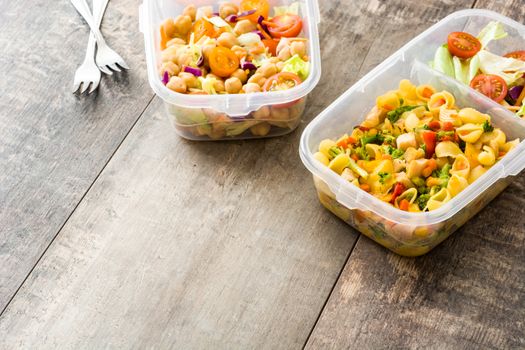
x: 246, y: 13
x: 248, y: 65
x: 195, y: 71
x: 231, y: 18
x: 258, y: 32
x: 515, y: 92
x: 166, y: 78
x: 264, y: 26
x: 200, y: 62
x: 216, y: 14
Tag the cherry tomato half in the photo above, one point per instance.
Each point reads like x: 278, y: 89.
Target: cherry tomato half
x: 282, y: 81
x: 519, y: 55
x: 223, y: 62
x: 430, y: 140
x: 262, y: 8
x: 203, y: 28
x: 463, y: 45
x: 491, y: 86
x: 287, y: 26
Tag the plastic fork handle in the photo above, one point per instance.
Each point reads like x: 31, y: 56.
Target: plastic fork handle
x: 99, y: 7
x: 83, y: 8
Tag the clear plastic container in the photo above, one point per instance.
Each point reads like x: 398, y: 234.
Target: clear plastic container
x: 405, y: 233
x: 240, y: 116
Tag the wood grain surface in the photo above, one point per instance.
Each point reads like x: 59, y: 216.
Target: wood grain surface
x: 53, y: 144
x: 223, y: 245
x: 468, y: 293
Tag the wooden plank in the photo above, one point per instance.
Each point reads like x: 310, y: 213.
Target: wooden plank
x: 204, y: 245
x: 53, y: 143
x: 467, y: 293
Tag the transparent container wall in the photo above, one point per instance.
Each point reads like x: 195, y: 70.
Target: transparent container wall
x: 471, y: 22
x: 207, y: 124
x: 379, y: 220
x: 233, y: 117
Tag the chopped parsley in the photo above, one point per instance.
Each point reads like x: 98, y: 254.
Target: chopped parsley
x: 394, y: 152
x: 487, y: 127
x: 394, y: 115
x: 442, y: 134
x: 362, y: 153
x: 383, y: 177
x: 375, y: 139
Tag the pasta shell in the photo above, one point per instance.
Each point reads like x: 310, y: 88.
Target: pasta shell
x: 410, y: 195
x: 472, y: 116
x: 425, y: 90
x: 339, y: 163
x: 447, y: 149
x: 441, y: 99
x: 388, y: 101
x: 437, y: 200
x: 374, y: 151
x: 415, y: 167
x: 456, y: 184
x: 507, y: 147
x: 487, y: 157
x: 476, y: 173
x: 411, y: 121
x: 451, y: 116
x: 470, y: 132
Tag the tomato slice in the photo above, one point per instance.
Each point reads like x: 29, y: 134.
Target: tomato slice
x: 271, y: 44
x: 491, y: 86
x: 287, y: 26
x: 282, y: 81
x: 519, y: 55
x: 463, y: 45
x: 223, y: 62
x: 261, y: 7
x: 202, y: 28
x: 399, y: 188
x: 430, y: 140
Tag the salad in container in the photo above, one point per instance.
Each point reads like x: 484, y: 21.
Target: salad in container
x: 232, y: 69
x: 412, y: 151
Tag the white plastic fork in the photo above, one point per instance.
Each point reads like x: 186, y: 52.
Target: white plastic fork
x: 88, y: 72
x: 106, y: 58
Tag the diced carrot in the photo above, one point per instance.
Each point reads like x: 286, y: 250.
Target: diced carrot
x: 351, y: 140
x: 355, y: 157
x: 388, y: 107
x: 365, y: 187
x: 427, y: 92
x: 163, y: 38
x: 343, y: 143
x: 432, y: 164
x: 427, y: 171
x: 501, y: 154
x: 404, y: 204
x: 386, y: 156
x: 448, y: 126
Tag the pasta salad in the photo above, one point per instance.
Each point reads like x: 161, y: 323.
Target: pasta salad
x: 416, y: 149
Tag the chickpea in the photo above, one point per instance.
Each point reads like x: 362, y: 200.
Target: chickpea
x: 171, y: 68
x: 204, y: 11
x: 183, y: 58
x: 284, y: 54
x: 227, y: 40
x: 273, y: 60
x: 267, y: 69
x: 170, y: 54
x: 280, y: 114
x: 241, y: 75
x: 169, y: 27
x: 219, y: 86
x: 261, y: 129
x: 177, y: 42
x: 244, y: 26
x: 233, y: 85
x: 251, y: 88
x: 298, y: 48
x: 258, y: 79
x: 227, y: 8
x: 262, y: 113
x: 240, y: 52
x: 177, y: 84
x: 191, y: 80
x: 206, y: 49
x: 191, y: 11
x: 183, y: 24
x: 279, y: 66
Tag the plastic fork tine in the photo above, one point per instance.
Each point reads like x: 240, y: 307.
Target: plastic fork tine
x: 123, y: 64
x: 85, y: 86
x: 94, y: 86
x: 105, y: 70
x: 76, y: 86
x: 114, y: 67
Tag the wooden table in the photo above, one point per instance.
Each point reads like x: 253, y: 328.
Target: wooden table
x: 116, y: 233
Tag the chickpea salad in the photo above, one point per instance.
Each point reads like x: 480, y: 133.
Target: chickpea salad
x: 468, y: 59
x: 416, y: 149
x: 237, y: 48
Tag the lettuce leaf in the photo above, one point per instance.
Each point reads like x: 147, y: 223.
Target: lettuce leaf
x: 292, y: 9
x: 492, y: 31
x: 443, y: 61
x: 296, y: 65
x: 509, y: 69
x: 461, y: 69
x: 521, y: 112
x: 208, y: 85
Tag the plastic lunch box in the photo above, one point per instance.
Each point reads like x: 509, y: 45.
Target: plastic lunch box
x: 413, y: 234
x: 216, y: 117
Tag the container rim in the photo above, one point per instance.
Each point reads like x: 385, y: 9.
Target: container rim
x: 355, y: 198
x: 232, y: 104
